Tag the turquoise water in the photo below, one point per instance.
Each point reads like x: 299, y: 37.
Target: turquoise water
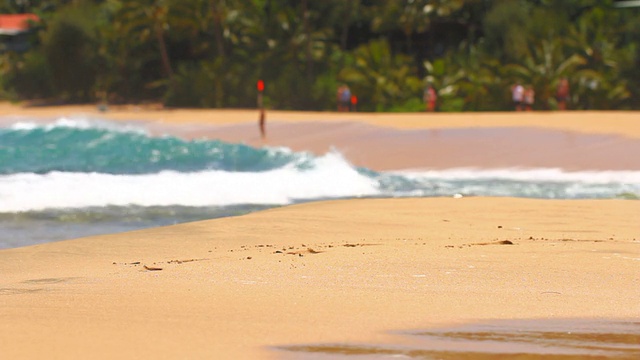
x: 69, y: 178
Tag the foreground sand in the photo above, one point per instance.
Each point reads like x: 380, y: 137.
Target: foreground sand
x: 327, y: 272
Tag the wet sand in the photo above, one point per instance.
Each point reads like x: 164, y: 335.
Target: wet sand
x: 440, y: 148
x: 539, y: 339
x: 340, y: 273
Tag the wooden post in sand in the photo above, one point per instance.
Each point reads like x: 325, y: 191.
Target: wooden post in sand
x: 261, y: 122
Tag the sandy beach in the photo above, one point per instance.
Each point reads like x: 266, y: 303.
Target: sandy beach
x: 347, y: 274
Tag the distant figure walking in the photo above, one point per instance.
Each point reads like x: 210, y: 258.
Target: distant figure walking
x: 430, y: 98
x: 344, y: 98
x: 517, y: 95
x: 354, y: 103
x: 562, y: 93
x: 529, y: 98
x: 262, y: 116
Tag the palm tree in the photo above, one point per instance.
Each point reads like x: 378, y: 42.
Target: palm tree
x: 147, y: 21
x: 597, y: 83
x: 543, y: 66
x: 382, y: 80
x: 470, y: 75
x: 410, y: 16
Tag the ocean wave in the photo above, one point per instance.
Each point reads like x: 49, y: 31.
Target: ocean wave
x: 544, y: 183
x: 78, y: 122
x: 76, y: 177
x: 84, y: 146
x: 528, y: 175
x: 83, y: 163
x: 329, y: 176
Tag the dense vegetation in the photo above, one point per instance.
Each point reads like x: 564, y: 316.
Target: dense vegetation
x: 210, y: 53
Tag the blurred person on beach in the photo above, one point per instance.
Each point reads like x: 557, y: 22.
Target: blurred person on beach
x: 529, y: 97
x: 354, y: 103
x: 262, y: 116
x: 517, y: 96
x: 430, y: 98
x: 344, y: 98
x: 562, y: 93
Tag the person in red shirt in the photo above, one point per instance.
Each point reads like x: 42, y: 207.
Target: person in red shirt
x: 354, y: 103
x: 430, y: 98
x: 529, y: 97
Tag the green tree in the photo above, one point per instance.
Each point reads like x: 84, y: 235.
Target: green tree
x: 210, y: 53
x: 467, y: 80
x: 69, y: 45
x: 382, y: 80
x: 542, y: 67
x: 598, y: 83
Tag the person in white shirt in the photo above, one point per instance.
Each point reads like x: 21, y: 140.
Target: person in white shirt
x: 517, y: 95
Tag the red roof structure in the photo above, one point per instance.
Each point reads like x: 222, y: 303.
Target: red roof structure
x: 12, y: 24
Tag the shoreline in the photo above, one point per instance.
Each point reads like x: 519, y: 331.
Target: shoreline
x: 623, y: 123
x: 573, y: 141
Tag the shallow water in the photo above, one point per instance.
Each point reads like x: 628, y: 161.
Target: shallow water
x: 562, y: 339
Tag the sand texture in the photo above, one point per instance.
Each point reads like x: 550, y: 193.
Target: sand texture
x: 328, y: 272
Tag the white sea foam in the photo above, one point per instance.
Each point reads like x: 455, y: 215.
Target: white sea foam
x: 306, y: 178
x: 78, y: 122
x: 529, y: 175
x: 550, y: 183
x: 331, y: 177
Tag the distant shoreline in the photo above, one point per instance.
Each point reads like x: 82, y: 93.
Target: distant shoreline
x: 623, y: 123
x: 573, y: 141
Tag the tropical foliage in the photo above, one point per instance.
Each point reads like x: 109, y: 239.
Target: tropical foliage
x: 210, y: 53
